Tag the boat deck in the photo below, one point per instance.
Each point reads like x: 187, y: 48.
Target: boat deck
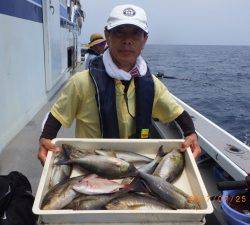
x: 21, y: 152
x: 229, y: 152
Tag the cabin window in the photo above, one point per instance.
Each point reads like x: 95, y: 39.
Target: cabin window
x: 70, y: 56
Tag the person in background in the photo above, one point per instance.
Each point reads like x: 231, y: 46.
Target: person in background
x: 96, y: 47
x: 118, y: 96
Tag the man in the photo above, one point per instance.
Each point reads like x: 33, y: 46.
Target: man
x: 96, y: 47
x: 118, y: 96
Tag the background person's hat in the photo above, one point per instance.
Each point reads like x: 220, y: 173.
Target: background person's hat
x: 127, y: 14
x: 95, y: 39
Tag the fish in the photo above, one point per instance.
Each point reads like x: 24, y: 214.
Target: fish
x: 171, y: 166
x: 168, y: 192
x: 139, y: 164
x: 133, y: 201
x: 78, y: 171
x: 104, y: 166
x: 93, y: 202
x: 60, y: 173
x: 150, y: 167
x: 130, y: 157
x: 94, y: 185
x: 75, y: 152
x: 61, y: 194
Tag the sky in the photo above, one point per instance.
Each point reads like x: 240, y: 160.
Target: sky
x: 191, y: 22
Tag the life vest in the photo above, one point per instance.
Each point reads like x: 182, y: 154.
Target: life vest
x: 106, y: 101
x: 92, y: 52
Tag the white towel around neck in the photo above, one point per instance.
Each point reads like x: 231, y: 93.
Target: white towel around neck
x: 119, y: 74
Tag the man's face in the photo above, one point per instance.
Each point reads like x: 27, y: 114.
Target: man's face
x: 125, y: 44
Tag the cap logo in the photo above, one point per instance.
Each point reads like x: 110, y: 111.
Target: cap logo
x: 129, y: 12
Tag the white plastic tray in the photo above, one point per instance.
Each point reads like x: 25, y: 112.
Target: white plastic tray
x: 190, y: 181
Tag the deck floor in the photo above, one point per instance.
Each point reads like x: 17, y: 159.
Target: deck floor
x: 21, y: 152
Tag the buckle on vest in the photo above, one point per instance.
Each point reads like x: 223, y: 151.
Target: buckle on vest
x: 144, y: 133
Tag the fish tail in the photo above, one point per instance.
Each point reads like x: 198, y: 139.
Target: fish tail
x: 120, y: 192
x: 132, y: 185
x: 63, y: 162
x: 136, y: 185
x: 132, y: 171
x: 98, y: 152
x: 160, y: 152
x: 159, y: 155
x: 66, y: 151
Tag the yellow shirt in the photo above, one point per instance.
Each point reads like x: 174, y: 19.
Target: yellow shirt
x: 77, y: 101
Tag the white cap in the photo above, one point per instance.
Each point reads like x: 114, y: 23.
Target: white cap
x: 127, y: 14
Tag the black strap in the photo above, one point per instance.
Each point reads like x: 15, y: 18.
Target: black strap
x: 144, y: 91
x: 105, y: 98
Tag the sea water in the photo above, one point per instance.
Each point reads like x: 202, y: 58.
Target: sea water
x: 214, y: 80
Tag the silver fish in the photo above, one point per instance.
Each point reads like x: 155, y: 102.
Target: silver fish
x: 171, y: 166
x: 94, y: 185
x: 139, y: 164
x: 61, y: 194
x: 130, y: 157
x: 168, y: 193
x: 86, y: 202
x: 60, y: 173
x: 75, y: 152
x: 150, y: 167
x: 78, y: 171
x: 105, y: 166
x: 133, y: 201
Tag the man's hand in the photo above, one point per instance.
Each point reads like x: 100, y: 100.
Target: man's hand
x: 192, y: 142
x: 45, y: 146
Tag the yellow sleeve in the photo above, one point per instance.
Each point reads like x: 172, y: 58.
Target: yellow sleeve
x: 65, y: 108
x: 165, y: 108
